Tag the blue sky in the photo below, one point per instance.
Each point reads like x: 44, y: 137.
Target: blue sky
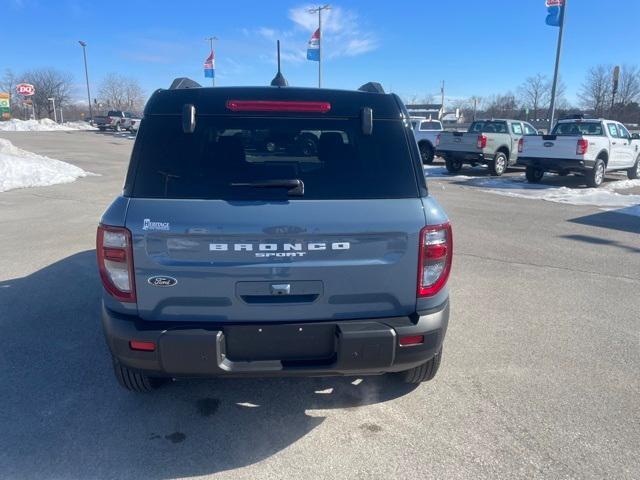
x: 477, y: 47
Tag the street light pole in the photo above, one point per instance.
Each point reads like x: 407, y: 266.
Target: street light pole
x: 319, y: 10
x: 55, y: 115
x: 86, y: 75
x: 554, y: 87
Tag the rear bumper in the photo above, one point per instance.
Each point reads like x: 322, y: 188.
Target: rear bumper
x: 467, y: 157
x: 556, y: 164
x: 205, y: 350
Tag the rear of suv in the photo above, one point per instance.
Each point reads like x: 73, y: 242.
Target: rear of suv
x: 274, y: 231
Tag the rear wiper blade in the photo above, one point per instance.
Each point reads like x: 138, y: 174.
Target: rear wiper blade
x: 295, y: 186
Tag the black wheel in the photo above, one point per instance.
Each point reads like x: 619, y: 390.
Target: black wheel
x: 426, y: 153
x: 498, y: 165
x: 102, y: 129
x: 134, y: 381
x: 454, y: 165
x: 634, y: 172
x: 424, y: 372
x: 534, y: 174
x: 595, y: 176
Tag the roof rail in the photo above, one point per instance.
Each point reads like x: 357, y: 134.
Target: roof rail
x: 372, y: 87
x: 184, y: 82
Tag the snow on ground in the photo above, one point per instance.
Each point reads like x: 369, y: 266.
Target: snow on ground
x: 606, y: 197
x: 44, y: 125
x: 21, y: 169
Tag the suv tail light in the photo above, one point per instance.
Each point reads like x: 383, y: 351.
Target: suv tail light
x: 435, y: 255
x: 582, y: 146
x: 482, y: 141
x: 437, y: 140
x: 115, y: 262
x: 520, y: 145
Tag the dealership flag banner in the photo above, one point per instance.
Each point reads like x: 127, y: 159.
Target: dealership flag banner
x: 210, y: 66
x: 554, y: 12
x: 313, y: 48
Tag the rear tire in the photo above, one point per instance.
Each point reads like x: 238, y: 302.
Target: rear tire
x: 595, y: 176
x: 102, y: 129
x: 499, y: 164
x: 454, y: 165
x: 634, y: 172
x: 534, y: 174
x: 132, y: 380
x: 424, y: 372
x: 426, y: 153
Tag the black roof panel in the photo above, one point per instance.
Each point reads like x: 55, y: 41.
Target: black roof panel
x: 212, y: 100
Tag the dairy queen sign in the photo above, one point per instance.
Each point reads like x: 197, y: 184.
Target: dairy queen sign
x: 25, y: 89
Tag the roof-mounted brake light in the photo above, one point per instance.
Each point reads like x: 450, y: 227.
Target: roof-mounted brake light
x: 277, y: 106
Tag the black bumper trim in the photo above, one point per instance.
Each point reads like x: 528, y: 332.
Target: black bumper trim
x: 556, y: 164
x: 362, y: 346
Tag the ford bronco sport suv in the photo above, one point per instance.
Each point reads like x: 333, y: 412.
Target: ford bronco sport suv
x: 274, y: 231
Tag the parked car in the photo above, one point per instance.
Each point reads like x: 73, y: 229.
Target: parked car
x: 258, y: 261
x: 134, y: 124
x: 426, y: 131
x: 488, y: 142
x: 130, y: 120
x: 114, y: 120
x: 590, y: 147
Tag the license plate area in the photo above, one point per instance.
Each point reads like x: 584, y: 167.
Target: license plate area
x: 290, y: 343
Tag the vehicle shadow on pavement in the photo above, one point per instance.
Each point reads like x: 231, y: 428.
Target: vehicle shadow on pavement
x: 62, y: 414
x: 611, y: 219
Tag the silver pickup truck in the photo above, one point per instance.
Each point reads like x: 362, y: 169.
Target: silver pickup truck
x: 488, y: 142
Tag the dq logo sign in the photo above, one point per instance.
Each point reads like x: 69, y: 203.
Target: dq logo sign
x: 25, y: 89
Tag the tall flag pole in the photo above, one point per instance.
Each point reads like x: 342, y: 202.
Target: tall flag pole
x: 210, y: 62
x: 314, y: 52
x: 555, y: 17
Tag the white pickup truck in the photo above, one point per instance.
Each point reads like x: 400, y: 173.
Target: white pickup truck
x: 426, y: 131
x: 587, y: 146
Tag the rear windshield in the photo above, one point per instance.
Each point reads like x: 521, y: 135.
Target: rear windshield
x: 430, y: 126
x: 577, y: 128
x: 114, y: 113
x: 231, y: 158
x: 488, y: 127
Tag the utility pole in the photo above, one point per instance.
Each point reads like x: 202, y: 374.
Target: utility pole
x: 86, y: 75
x: 211, y: 40
x: 441, y: 99
x: 554, y: 88
x: 319, y: 10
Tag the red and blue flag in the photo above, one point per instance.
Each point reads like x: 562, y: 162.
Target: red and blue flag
x: 554, y: 12
x: 210, y: 66
x: 313, y: 47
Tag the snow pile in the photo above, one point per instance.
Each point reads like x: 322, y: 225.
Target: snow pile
x: 44, y: 125
x: 21, y: 169
x: 606, y: 196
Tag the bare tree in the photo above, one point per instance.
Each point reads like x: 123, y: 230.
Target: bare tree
x: 419, y: 99
x: 595, y: 94
x: 121, y: 93
x: 49, y: 83
x: 535, y: 94
x: 629, y: 85
x: 502, y: 106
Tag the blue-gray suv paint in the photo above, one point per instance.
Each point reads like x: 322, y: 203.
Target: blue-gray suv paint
x: 274, y: 231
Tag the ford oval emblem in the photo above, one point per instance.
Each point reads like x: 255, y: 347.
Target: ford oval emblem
x: 548, y: 144
x: 162, y: 281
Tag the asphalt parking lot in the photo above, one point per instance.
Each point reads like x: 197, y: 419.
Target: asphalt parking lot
x: 540, y: 375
